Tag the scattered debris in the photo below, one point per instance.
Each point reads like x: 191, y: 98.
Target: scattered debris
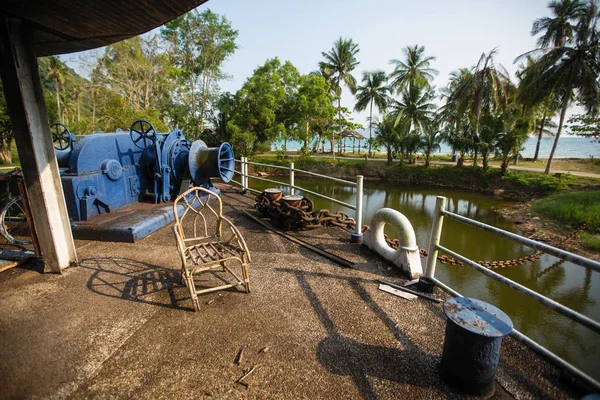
x: 241, y: 380
x: 264, y: 349
x: 396, y: 292
x: 210, y: 302
x: 240, y: 356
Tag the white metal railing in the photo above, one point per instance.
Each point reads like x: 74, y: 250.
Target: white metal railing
x: 245, y: 185
x: 434, y: 246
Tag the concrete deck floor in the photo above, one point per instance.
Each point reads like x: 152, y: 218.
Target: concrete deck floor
x: 120, y: 325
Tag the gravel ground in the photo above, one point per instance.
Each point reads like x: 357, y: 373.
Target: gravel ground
x: 120, y: 325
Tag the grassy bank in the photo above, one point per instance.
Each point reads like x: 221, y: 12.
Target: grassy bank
x: 573, y: 210
x: 515, y: 185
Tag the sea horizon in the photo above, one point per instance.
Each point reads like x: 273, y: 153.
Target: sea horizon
x: 568, y: 147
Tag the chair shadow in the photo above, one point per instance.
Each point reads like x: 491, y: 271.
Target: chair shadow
x: 345, y: 356
x: 133, y: 280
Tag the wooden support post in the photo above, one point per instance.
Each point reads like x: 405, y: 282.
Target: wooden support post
x: 27, y: 108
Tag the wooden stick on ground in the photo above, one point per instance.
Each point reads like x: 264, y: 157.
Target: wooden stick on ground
x: 246, y: 375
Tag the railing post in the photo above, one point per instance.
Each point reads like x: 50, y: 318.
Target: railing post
x: 434, y: 239
x: 244, y: 168
x: 358, y: 236
x: 292, y: 184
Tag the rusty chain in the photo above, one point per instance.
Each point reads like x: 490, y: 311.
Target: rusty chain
x: 444, y: 259
x: 289, y: 217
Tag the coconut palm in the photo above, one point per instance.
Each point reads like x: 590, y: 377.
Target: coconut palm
x: 430, y: 142
x: 339, y: 62
x: 414, y: 71
x: 77, y: 91
x: 415, y: 108
x: 568, y: 72
x: 372, y: 91
x: 484, y: 91
x: 542, y: 113
x: 56, y: 71
x: 387, y: 135
x: 513, y: 132
x: 560, y: 28
x: 453, y: 114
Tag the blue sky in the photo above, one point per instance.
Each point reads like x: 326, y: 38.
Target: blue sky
x: 455, y: 32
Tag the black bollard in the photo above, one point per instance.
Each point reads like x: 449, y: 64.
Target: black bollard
x: 471, y: 353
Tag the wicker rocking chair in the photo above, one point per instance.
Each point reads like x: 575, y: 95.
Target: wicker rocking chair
x: 204, y: 252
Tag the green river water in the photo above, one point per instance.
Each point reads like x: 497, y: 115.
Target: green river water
x: 567, y: 283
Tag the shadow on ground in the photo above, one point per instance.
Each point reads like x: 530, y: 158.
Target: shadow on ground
x: 347, y: 357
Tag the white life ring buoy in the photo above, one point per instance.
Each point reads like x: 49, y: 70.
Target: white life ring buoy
x: 406, y: 256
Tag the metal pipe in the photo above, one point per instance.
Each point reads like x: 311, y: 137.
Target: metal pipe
x: 574, y: 258
x: 556, y: 359
x: 350, y: 206
x: 243, y: 178
x: 436, y: 233
x: 359, y: 204
x: 326, y: 177
x: 553, y: 305
x: 446, y: 288
x: 292, y: 192
x: 527, y: 341
x: 303, y: 172
x: 267, y: 165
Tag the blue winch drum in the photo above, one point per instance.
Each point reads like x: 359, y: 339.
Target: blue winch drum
x: 213, y: 162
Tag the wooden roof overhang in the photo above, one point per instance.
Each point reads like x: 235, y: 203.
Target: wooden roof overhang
x: 68, y: 26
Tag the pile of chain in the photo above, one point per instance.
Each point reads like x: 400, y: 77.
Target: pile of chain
x: 444, y: 259
x: 288, y: 217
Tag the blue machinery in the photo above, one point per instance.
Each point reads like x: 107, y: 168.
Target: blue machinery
x: 116, y: 184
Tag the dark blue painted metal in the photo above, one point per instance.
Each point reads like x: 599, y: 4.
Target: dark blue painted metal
x: 478, y: 317
x: 107, y: 171
x: 471, y: 353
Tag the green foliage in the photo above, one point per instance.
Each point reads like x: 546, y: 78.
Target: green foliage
x: 413, y: 71
x: 572, y: 209
x: 312, y: 104
x: 6, y: 134
x: 589, y: 241
x: 544, y: 183
x: 373, y: 91
x: 567, y: 71
x: 585, y: 125
x: 259, y: 111
x: 199, y: 44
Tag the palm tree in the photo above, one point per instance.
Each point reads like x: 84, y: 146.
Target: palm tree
x: 454, y: 113
x: 387, y: 135
x: 513, y: 131
x: 568, y: 72
x: 339, y: 62
x: 485, y: 90
x: 543, y: 124
x: 543, y: 112
x: 414, y: 71
x: 415, y: 108
x: 77, y: 93
x: 56, y: 70
x: 430, y: 142
x: 558, y: 29
x: 372, y: 91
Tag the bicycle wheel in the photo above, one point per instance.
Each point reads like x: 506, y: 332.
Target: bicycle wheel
x: 13, y: 222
